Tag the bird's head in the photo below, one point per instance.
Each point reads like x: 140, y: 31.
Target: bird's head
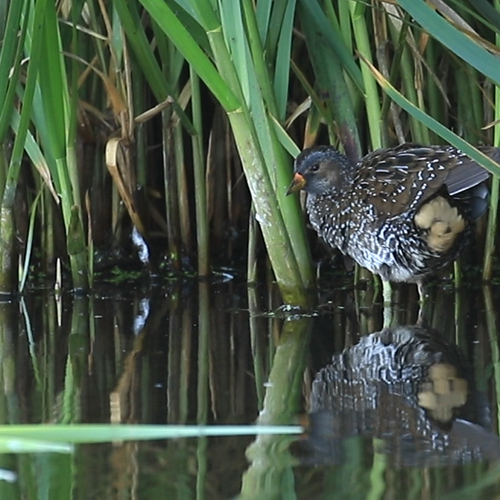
x: 320, y: 170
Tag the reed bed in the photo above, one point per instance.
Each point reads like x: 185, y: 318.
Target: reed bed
x: 177, y: 121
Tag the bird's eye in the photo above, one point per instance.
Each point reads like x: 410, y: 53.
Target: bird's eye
x: 315, y: 167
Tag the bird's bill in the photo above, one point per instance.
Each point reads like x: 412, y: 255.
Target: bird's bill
x: 297, y: 184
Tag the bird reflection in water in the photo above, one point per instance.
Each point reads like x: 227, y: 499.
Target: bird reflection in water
x: 407, y: 388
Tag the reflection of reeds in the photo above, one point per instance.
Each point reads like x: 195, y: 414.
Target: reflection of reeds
x: 492, y: 329
x: 79, y: 99
x: 215, y: 354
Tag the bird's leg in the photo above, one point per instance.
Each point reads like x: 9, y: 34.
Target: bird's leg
x: 387, y: 293
x: 421, y: 303
x: 421, y: 291
x: 387, y: 298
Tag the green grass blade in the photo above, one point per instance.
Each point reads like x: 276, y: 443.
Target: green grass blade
x: 491, y: 231
x: 262, y: 16
x: 282, y: 65
x: 263, y: 61
x: 237, y: 45
x: 53, y: 84
x: 10, y: 56
x: 27, y: 100
x: 207, y: 13
x: 101, y: 433
x: 29, y: 242
x: 285, y: 140
x: 32, y: 149
x: 190, y: 23
x: 22, y: 445
x: 275, y: 27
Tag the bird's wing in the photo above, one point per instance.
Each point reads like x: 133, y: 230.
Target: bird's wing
x: 397, y: 180
x: 468, y: 173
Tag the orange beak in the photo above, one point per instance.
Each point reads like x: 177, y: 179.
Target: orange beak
x: 297, y: 184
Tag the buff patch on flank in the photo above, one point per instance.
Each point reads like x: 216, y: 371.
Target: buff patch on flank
x: 441, y: 224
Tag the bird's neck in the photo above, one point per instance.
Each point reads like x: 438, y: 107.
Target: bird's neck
x: 327, y: 214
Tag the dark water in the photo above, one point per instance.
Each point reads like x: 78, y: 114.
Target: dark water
x: 407, y: 412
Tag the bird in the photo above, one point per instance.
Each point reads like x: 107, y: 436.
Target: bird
x: 401, y: 212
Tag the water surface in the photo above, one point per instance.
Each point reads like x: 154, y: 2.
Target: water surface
x: 404, y: 412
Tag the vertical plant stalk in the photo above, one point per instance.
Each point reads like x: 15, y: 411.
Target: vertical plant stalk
x: 186, y: 356
x: 372, y: 98
x: 170, y: 190
x: 199, y: 179
x: 261, y: 115
x: 491, y: 229
x: 57, y: 116
x: 434, y: 97
x: 8, y: 257
x: 274, y: 99
x: 182, y: 189
x: 252, y: 249
x: 174, y: 362
x: 9, y: 331
x: 203, y: 383
x: 8, y: 262
x: 256, y: 334
x: 460, y: 327
x: 77, y: 361
x: 269, y: 471
x: 139, y: 105
x: 330, y: 79
x: 293, y: 288
x: 10, y: 64
x: 407, y: 73
x: 492, y: 327
x: 47, y: 224
x: 378, y: 471
x: 175, y: 186
x: 29, y: 242
x: 470, y: 110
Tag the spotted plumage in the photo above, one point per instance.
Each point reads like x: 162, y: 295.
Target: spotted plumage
x: 402, y: 212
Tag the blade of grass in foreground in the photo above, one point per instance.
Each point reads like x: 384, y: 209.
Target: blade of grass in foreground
x: 22, y: 445
x: 101, y: 433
